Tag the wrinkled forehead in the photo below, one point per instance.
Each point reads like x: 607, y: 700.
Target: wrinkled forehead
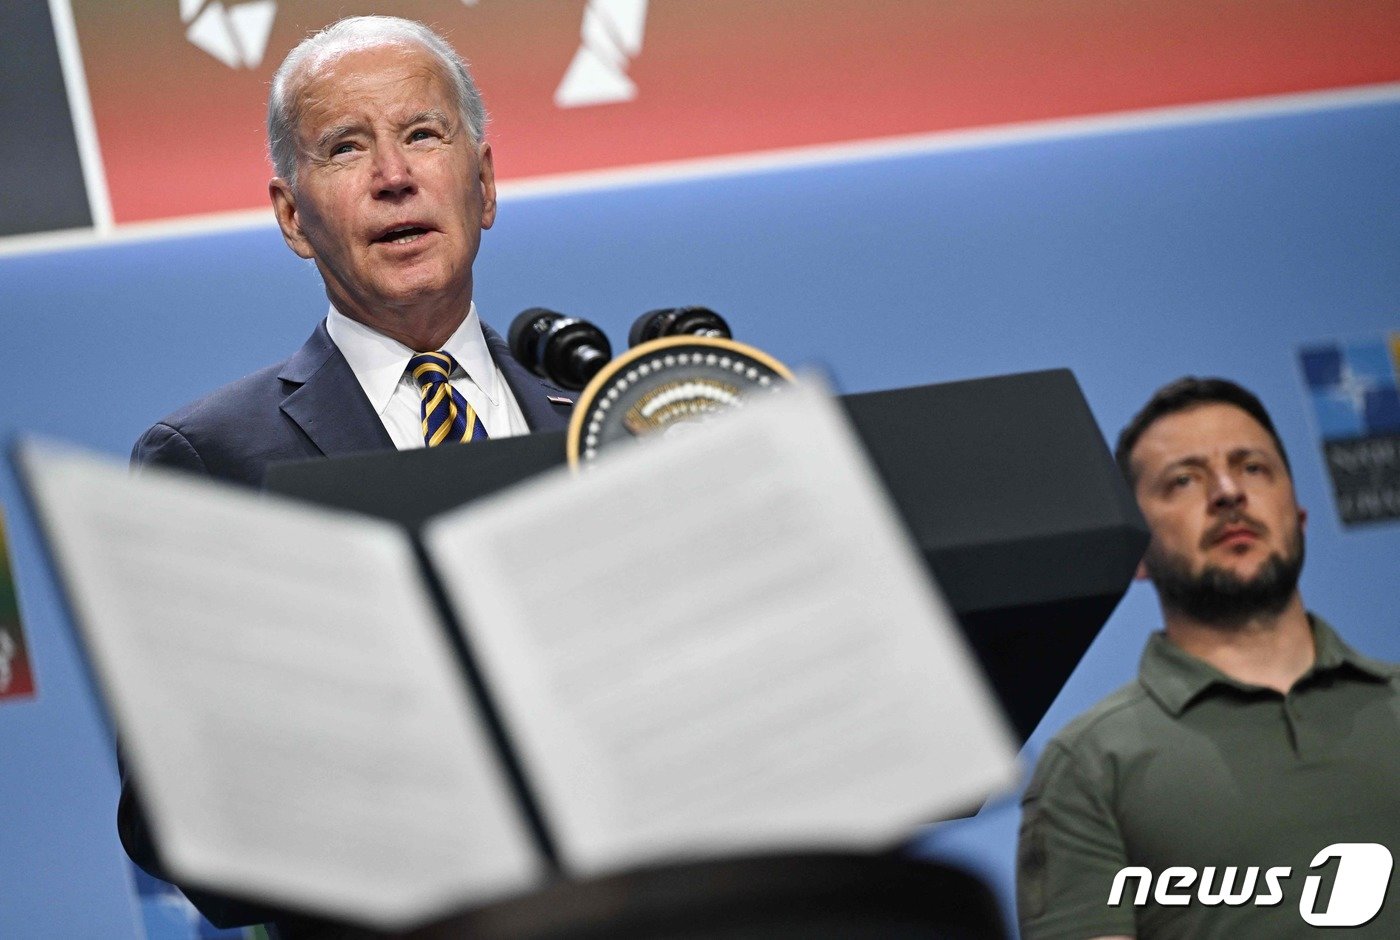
x: 1211, y: 431
x: 341, y: 77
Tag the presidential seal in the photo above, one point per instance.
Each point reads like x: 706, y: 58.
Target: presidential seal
x: 666, y: 386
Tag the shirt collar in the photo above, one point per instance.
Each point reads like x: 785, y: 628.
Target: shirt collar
x: 1175, y: 678
x: 1332, y: 653
x: 468, y: 347
x: 379, y: 361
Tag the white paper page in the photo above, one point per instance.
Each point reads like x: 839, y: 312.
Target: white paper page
x: 723, y: 642
x: 284, y: 692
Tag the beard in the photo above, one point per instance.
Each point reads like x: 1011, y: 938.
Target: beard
x: 1220, y: 597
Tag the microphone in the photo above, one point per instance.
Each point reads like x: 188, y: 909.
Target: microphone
x: 566, y: 350
x: 678, y: 321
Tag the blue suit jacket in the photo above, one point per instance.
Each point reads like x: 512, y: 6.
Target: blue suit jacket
x: 309, y: 406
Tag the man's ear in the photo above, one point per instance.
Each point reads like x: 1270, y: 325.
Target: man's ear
x: 486, y: 176
x: 284, y: 206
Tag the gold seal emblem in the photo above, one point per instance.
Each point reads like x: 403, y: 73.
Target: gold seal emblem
x: 664, y: 386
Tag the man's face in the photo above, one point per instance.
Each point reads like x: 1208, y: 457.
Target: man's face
x: 391, y: 192
x: 1227, y: 532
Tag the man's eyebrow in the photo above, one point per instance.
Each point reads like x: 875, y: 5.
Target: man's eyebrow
x: 430, y: 116
x: 1191, y: 460
x: 332, y: 134
x: 1198, y: 460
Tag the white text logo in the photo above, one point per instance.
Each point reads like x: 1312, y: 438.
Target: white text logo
x: 1358, y: 885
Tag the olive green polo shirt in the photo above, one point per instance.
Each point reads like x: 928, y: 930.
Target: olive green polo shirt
x: 1188, y: 767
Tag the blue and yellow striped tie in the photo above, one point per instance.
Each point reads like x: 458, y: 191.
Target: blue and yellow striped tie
x: 446, y: 414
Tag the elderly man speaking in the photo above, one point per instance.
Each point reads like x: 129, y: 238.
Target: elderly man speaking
x: 385, y: 181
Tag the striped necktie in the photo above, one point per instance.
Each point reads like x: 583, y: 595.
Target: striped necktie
x: 446, y: 414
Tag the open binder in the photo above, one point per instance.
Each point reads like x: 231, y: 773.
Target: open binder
x: 1004, y: 484
x: 709, y: 646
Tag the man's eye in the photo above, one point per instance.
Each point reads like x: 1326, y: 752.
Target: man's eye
x: 340, y: 149
x: 421, y: 134
x: 1179, y: 481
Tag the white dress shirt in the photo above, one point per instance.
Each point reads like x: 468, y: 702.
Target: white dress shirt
x: 380, y: 365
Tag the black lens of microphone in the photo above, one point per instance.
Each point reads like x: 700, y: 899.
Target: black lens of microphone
x: 526, y: 332
x: 574, y: 352
x: 565, y: 350
x: 677, y: 321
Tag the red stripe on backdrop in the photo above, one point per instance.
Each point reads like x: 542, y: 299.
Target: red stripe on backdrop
x: 181, y: 133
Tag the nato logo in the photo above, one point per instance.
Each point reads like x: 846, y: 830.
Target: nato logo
x: 1355, y: 392
x: 1354, y: 387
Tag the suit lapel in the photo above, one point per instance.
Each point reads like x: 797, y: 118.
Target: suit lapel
x: 329, y: 405
x: 534, y: 395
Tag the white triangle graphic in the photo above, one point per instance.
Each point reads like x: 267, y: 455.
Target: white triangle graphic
x: 592, y: 80
x: 210, y: 33
x: 252, y: 24
x: 597, y: 34
x: 628, y: 18
x: 188, y: 8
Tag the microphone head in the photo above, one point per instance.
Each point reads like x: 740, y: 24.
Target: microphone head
x: 565, y: 350
x: 574, y: 351
x: 526, y: 335
x: 649, y: 325
x: 677, y: 321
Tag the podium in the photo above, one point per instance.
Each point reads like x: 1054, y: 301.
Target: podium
x: 787, y: 897
x: 1004, y: 484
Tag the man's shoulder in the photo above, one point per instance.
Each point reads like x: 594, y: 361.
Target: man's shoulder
x: 229, y: 433
x: 1112, y: 733
x: 229, y: 402
x: 252, y: 395
x: 1119, y: 712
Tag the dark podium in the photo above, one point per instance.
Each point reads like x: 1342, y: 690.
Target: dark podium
x: 788, y: 897
x: 1009, y: 492
x: 1005, y: 484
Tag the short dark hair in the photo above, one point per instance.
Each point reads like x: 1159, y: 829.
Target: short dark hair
x: 1185, y: 393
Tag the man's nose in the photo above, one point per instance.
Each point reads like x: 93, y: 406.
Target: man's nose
x: 1226, y: 492
x: 393, y: 174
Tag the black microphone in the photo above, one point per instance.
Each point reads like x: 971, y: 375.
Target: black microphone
x: 678, y: 321
x: 566, y: 350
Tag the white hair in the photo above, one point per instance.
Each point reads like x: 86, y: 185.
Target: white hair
x: 351, y: 34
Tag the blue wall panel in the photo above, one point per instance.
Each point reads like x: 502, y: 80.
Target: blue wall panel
x: 1130, y: 257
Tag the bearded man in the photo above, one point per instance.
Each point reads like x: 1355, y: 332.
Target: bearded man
x: 1254, y: 739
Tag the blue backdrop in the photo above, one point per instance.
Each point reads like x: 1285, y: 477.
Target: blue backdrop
x: 1130, y: 256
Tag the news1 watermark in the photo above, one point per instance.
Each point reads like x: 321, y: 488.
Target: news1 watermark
x: 1359, y: 884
